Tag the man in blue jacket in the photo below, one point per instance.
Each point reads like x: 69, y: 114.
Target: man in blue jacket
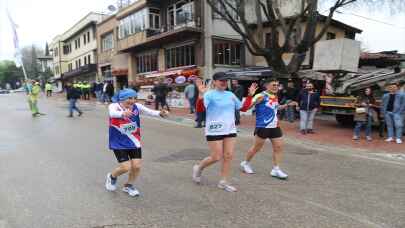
x: 309, y: 102
x: 393, y: 109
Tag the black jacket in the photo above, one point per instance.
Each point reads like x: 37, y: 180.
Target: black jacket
x: 72, y: 93
x: 309, y: 101
x: 238, y: 91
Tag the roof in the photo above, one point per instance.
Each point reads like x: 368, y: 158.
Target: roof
x: 393, y: 55
x: 335, y: 23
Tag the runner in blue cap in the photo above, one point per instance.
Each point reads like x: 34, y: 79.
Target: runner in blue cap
x: 125, y: 138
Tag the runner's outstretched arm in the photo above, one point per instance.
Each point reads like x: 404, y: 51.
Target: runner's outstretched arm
x: 147, y: 111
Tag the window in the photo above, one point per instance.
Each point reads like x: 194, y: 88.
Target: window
x: 234, y: 14
x: 180, y: 13
x: 84, y: 39
x: 70, y: 66
x: 89, y: 59
x: 330, y: 36
x: 88, y: 37
x: 85, y: 60
x: 132, y: 24
x: 78, y: 42
x: 67, y: 48
x: 227, y: 52
x: 269, y: 40
x: 154, y: 18
x: 56, y: 52
x: 147, y: 62
x: 107, y: 42
x: 75, y: 44
x: 180, y: 56
x: 80, y: 62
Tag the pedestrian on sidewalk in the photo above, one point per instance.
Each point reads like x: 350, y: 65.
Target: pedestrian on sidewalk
x: 48, y: 89
x: 190, y: 94
x: 86, y: 90
x: 125, y: 138
x: 238, y: 90
x: 309, y: 101
x: 267, y: 126
x: 33, y: 99
x: 364, y: 114
x: 220, y: 129
x: 291, y: 97
x: 109, y: 91
x: 72, y: 94
x: 160, y: 90
x: 393, y: 109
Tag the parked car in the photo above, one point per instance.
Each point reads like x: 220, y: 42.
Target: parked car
x: 19, y: 90
x: 4, y: 91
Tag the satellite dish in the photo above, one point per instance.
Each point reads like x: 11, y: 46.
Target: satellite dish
x: 112, y: 8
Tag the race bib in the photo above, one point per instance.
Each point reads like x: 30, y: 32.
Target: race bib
x: 215, y: 127
x: 129, y: 128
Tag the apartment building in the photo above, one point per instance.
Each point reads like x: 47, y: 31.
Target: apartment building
x: 75, y: 51
x: 172, y: 40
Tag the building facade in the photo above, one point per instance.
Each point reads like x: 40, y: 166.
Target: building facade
x: 75, y: 51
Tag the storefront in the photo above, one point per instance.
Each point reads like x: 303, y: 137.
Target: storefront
x: 121, y: 78
x: 176, y: 79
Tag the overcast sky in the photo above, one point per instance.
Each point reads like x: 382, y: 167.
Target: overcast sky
x: 41, y: 20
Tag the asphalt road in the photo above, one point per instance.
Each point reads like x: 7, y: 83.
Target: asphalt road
x: 52, y: 172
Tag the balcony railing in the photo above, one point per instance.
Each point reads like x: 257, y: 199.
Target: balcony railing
x: 181, y: 22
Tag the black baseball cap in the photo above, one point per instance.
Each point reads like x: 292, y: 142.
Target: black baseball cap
x: 220, y: 76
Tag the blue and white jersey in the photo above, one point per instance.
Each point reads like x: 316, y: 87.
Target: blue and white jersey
x: 220, y: 109
x: 125, y: 133
x: 266, y: 110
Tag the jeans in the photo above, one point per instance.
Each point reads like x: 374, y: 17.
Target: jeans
x: 290, y: 113
x: 72, y: 106
x: 237, y: 117
x: 360, y: 124
x: 200, y: 118
x: 307, y: 119
x: 192, y: 101
x: 394, y: 121
x: 98, y: 95
x: 105, y: 97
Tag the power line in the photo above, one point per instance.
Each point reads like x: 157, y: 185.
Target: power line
x: 371, y: 19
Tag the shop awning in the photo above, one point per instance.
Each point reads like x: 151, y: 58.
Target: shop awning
x: 184, y: 72
x: 250, y: 73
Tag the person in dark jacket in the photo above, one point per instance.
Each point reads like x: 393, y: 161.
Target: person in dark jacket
x: 291, y: 95
x: 72, y: 94
x: 160, y: 91
x: 309, y: 102
x: 110, y: 90
x: 238, y: 91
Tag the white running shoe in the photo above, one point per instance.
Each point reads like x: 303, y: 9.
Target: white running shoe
x: 277, y: 173
x: 399, y: 141
x: 110, y: 184
x: 246, y: 168
x: 226, y: 186
x: 131, y: 190
x: 197, y: 174
x: 390, y: 139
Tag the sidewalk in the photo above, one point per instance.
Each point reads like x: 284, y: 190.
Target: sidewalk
x: 327, y: 132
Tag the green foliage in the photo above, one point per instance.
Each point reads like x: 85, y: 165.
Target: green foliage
x: 10, y: 73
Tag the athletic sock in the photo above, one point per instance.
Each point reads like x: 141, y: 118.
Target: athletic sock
x: 276, y: 168
x: 127, y: 185
x: 113, y: 178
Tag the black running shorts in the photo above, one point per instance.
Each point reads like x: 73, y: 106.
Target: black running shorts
x: 269, y: 133
x: 211, y: 138
x: 128, y: 154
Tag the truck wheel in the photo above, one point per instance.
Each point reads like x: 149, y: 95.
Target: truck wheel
x: 345, y: 120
